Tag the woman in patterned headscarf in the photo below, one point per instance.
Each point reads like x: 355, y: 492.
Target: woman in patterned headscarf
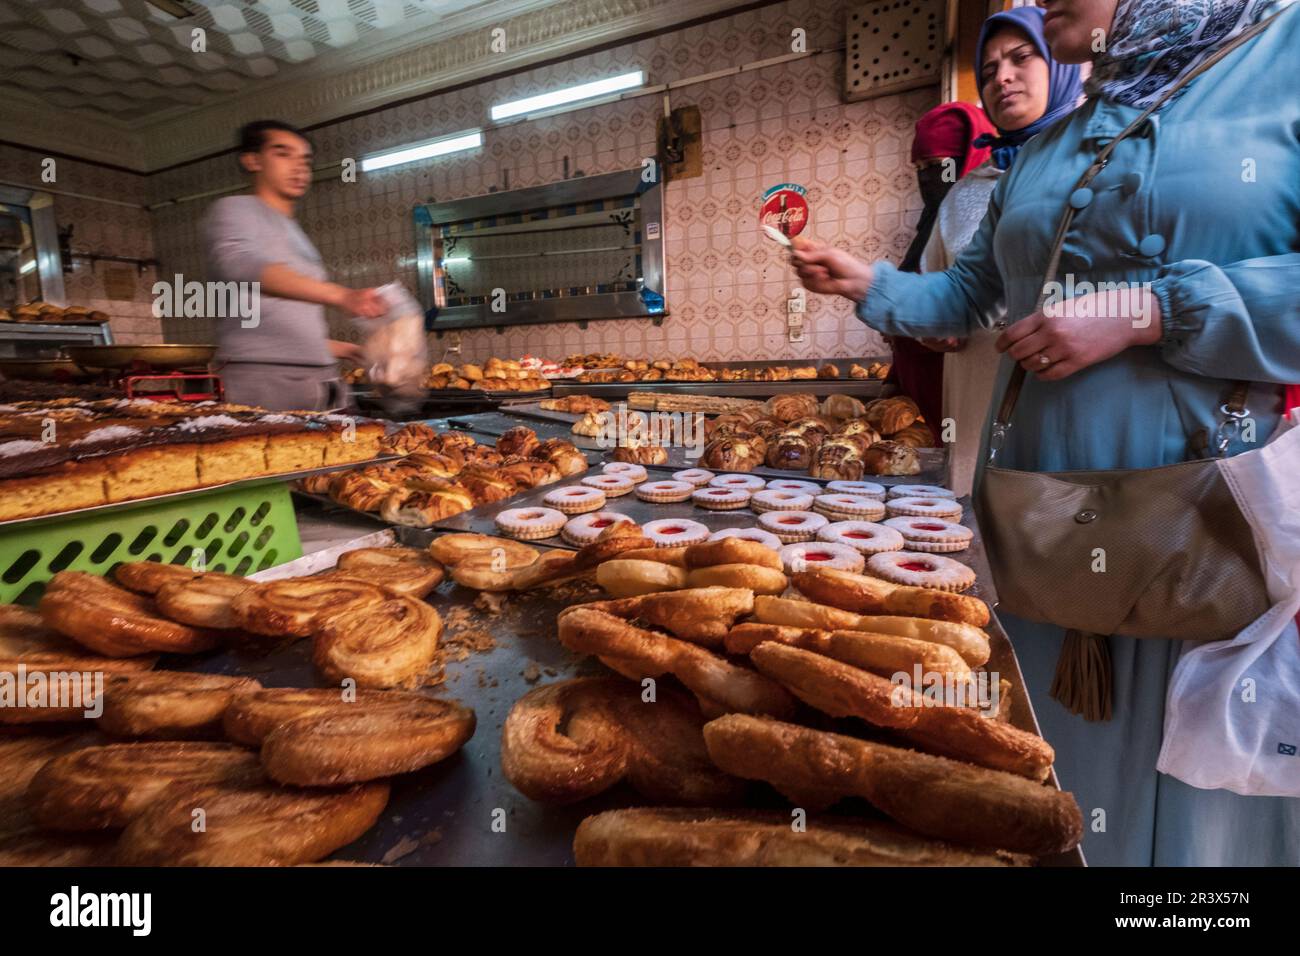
x: 1196, y: 222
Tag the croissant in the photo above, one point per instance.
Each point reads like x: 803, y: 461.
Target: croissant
x: 891, y: 458
x: 889, y: 415
x: 529, y: 472
x: 789, y: 408
x: 519, y: 440
x: 829, y: 371
x: 791, y: 451
x: 842, y: 406
x: 562, y: 454
x: 642, y: 455
x: 766, y: 428
x: 734, y: 453
x: 840, y: 457
x: 917, y: 435
x: 859, y: 427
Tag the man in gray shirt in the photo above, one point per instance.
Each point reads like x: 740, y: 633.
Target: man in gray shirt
x: 286, y: 360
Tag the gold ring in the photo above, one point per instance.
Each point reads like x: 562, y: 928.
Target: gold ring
x: 1043, y: 359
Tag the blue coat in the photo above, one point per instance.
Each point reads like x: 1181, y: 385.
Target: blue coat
x: 1205, y: 206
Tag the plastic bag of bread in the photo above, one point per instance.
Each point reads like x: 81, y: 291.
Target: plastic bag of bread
x: 397, y: 350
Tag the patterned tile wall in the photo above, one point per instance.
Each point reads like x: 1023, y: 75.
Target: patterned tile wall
x: 726, y: 285
x: 100, y: 227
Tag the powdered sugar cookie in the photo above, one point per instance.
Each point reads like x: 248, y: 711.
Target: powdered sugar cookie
x: 844, y: 507
x: 720, y: 499
x: 808, y: 555
x: 625, y: 469
x: 674, y: 532
x: 774, y: 499
x: 529, y: 524
x: 695, y: 476
x: 661, y: 492
x: 614, y: 486
x: 866, y: 536
x: 585, y: 529
x: 867, y: 489
x: 794, y: 484
x: 920, y: 491
x: 750, y: 483
x: 765, y: 538
x: 792, y: 526
x: 924, y: 507
x: 931, y: 535
x: 921, y: 570
x: 575, y: 499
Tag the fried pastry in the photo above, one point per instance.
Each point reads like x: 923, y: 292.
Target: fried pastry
x: 700, y: 615
x: 106, y: 787
x: 294, y: 606
x: 891, y: 458
x: 867, y: 595
x: 884, y: 654
x: 115, y: 622
x: 678, y: 836
x: 408, y: 571
x: 80, y: 686
x: 451, y: 549
x: 250, y: 825
x: 650, y: 653
x: 146, y: 577
x: 350, y: 746
x: 571, y: 740
x: 23, y: 631
x: 934, y: 796
x: 203, y: 601
x: 32, y: 848
x: 169, y: 704
x: 378, y: 645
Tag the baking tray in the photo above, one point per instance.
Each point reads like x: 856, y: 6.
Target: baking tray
x: 229, y: 485
x: 443, y: 815
x: 857, y: 387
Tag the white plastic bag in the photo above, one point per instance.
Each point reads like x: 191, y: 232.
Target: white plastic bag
x: 396, y: 350
x: 1232, y: 715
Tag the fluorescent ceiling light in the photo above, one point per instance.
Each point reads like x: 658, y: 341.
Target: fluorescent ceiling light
x: 426, y: 150
x: 572, y: 94
x: 26, y: 267
x: 454, y: 259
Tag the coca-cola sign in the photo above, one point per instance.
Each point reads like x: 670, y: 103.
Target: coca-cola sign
x: 785, y: 209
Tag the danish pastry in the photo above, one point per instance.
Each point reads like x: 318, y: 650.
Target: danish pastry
x: 350, y: 746
x: 571, y: 740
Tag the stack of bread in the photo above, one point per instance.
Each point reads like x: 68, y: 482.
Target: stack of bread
x: 802, y: 693
x: 445, y: 473
x: 51, y: 313
x: 838, y: 438
x: 115, y: 773
x: 70, y: 454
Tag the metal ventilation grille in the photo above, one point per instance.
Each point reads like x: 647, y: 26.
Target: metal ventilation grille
x: 890, y: 47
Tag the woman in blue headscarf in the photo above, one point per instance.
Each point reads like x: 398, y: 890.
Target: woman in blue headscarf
x: 1195, y: 222
x: 1024, y: 90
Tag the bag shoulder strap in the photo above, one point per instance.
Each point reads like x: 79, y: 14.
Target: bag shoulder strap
x: 1235, y: 406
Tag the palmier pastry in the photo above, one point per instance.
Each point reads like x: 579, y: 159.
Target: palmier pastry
x: 293, y: 607
x: 640, y: 455
x: 78, y: 697
x: 650, y: 653
x: 529, y: 472
x: 250, y: 717
x: 867, y: 595
x: 677, y: 836
x: 169, y: 704
x: 349, y: 746
x: 23, y: 631
x: 107, y: 787
x: 408, y: 571
x: 519, y: 440
x: 733, y: 453
x: 571, y: 740
x: 378, y: 645
x: 203, y: 601
x: 562, y: 454
x: 891, y: 458
x: 889, y: 415
x: 250, y: 825
x: 146, y: 577
x: 115, y: 622
x: 932, y: 795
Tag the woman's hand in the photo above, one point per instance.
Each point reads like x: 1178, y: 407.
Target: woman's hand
x: 830, y: 271
x: 1075, y: 333
x: 346, y: 351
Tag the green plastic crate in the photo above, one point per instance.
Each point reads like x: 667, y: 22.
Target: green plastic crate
x: 240, y: 530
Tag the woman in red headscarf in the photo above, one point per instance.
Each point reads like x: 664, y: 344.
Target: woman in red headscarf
x: 943, y: 151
